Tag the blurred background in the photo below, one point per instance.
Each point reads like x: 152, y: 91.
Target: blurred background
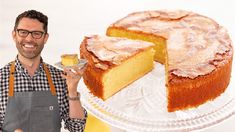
x: 70, y: 21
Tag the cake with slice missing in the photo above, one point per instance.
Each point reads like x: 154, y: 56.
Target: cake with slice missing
x: 114, y: 63
x: 197, y: 53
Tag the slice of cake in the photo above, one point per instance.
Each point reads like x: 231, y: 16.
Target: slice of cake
x: 196, y: 51
x: 113, y: 63
x: 69, y: 59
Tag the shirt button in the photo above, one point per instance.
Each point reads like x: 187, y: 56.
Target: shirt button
x: 51, y: 107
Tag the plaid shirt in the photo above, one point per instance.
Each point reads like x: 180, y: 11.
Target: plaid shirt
x: 24, y: 83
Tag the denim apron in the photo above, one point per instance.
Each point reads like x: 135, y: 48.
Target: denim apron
x: 36, y: 111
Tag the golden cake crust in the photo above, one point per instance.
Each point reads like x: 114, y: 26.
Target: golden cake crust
x: 199, y: 53
x: 186, y: 93
x: 92, y: 76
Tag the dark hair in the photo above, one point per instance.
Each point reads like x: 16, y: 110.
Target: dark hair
x: 33, y: 14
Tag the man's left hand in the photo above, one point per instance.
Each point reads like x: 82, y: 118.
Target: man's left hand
x: 72, y: 77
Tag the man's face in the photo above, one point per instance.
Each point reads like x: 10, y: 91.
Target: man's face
x: 31, y: 45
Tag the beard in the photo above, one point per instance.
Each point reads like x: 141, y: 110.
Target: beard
x: 29, y: 50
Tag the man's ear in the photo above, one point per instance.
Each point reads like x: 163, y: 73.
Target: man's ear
x: 46, y: 38
x: 13, y: 33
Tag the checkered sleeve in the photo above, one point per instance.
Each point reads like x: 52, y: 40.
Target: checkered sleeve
x: 4, y: 73
x: 1, y: 110
x: 73, y: 125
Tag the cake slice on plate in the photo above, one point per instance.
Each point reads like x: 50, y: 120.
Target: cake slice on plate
x: 69, y: 59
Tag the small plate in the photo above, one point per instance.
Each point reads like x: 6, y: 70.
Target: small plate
x: 81, y: 63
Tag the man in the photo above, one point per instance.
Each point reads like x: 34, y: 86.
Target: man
x: 35, y: 96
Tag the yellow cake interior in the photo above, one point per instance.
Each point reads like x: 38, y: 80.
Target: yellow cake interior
x: 130, y: 70
x: 69, y: 59
x: 160, y: 43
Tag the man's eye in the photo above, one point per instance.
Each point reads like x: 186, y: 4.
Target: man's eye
x: 23, y: 32
x: 37, y: 33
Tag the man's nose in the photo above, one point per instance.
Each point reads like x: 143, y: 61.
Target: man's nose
x: 29, y: 37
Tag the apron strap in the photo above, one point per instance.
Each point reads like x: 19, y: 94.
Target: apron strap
x: 52, y: 86
x: 11, y: 80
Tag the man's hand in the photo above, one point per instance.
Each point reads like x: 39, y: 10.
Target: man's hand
x: 72, y: 77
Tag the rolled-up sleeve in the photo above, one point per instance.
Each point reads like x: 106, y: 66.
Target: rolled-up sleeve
x: 75, y: 125
x: 72, y: 124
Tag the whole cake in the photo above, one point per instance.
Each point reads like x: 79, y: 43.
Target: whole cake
x: 196, y: 51
x: 113, y: 63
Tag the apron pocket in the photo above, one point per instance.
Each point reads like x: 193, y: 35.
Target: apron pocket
x: 44, y: 119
